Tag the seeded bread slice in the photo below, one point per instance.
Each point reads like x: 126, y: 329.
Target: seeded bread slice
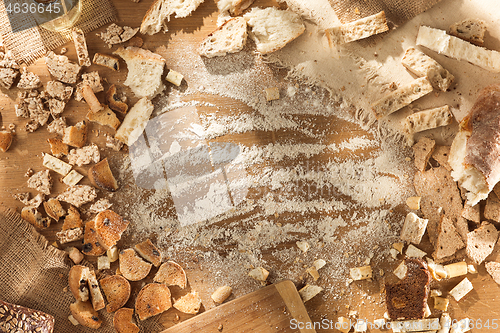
x: 117, y: 291
x: 471, y: 30
x: 30, y: 320
x: 153, y: 299
x: 228, y: 38
x: 480, y: 242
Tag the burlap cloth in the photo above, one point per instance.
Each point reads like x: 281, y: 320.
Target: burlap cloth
x: 34, y: 274
x: 32, y: 43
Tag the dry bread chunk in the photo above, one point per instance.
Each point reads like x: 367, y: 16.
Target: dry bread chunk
x: 56, y: 164
x: 41, y: 181
x: 113, y: 143
x: 104, y: 117
x: 117, y: 102
x: 493, y: 268
x: 135, y: 121
x: 228, y: 38
x: 115, y: 34
x: 30, y: 320
x: 159, y: 13
x: 117, y: 291
x: 309, y: 291
x: 421, y: 65
x: 423, y: 150
x: 401, y: 97
x: 480, y: 242
x: 61, y: 68
x: 24, y: 198
x: 359, y: 29
x: 100, y: 176
x: 54, y: 209
x: 492, y: 208
x: 234, y: 7
x: 109, y: 227
x: 85, y: 314
x: 72, y: 178
x: 93, y: 79
x: 29, y: 80
x: 81, y: 47
x: 145, y: 70
x: 413, y: 228
x: 56, y: 107
x: 59, y: 90
x: 95, y: 291
x: 72, y: 220
x: 471, y: 30
x: 76, y: 136
x: 91, y: 245
x: 84, y: 155
x: 428, y: 119
x: 100, y: 205
x: 149, y: 251
x: 71, y: 235
x: 122, y: 321
x: 57, y: 126
x: 221, y: 294
x: 472, y: 213
x: 273, y: 28
x: 78, y: 195
x: 33, y: 216
x: 5, y: 140
x: 448, y: 240
x: 153, y: 299
x: 132, y: 267
x: 171, y: 274
x: 9, y: 69
x: 106, y: 60
x: 440, y: 155
x: 30, y: 105
x: 77, y: 280
x: 189, y: 303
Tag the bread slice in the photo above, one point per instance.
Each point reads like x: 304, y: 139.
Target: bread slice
x: 115, y: 101
x: 61, y: 68
x: 59, y: 90
x: 123, y: 323
x: 471, y: 30
x: 107, y: 60
x: 171, y: 274
x: 153, y: 299
x: 273, y: 28
x: 356, y: 30
x: 145, y: 70
x: 29, y: 80
x: 234, y: 7
x: 481, y: 242
x: 428, y: 119
x: 493, y: 268
x: 422, y: 151
x: 5, y: 140
x: 149, y: 251
x: 76, y: 136
x: 160, y: 11
x: 117, y: 291
x: 91, y: 246
x: 33, y: 216
x: 109, y: 227
x: 95, y: 291
x: 421, y: 65
x: 54, y: 209
x: 85, y: 314
x: 57, y: 147
x: 189, y: 303
x: 104, y: 117
x: 132, y: 267
x: 77, y: 280
x: 28, y: 319
x: 413, y: 228
x: 81, y: 47
x: 448, y: 240
x: 115, y: 34
x: 228, y: 38
x: 135, y: 122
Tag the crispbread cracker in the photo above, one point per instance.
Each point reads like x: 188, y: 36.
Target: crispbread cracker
x: 480, y: 242
x: 153, y: 299
x: 472, y: 213
x: 448, y: 239
x: 492, y: 208
x: 423, y: 150
x: 440, y: 155
x: 493, y: 268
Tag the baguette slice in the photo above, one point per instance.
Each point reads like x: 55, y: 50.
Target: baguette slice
x: 273, y: 28
x: 171, y: 274
x: 234, y: 7
x: 153, y: 299
x: 149, y: 251
x: 356, y: 30
x: 228, y: 38
x: 133, y: 268
x: 135, y: 122
x: 160, y: 11
x: 117, y: 291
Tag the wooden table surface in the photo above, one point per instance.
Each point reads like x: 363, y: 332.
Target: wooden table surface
x: 27, y: 149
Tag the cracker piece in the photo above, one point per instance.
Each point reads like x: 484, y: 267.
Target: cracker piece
x: 480, y: 242
x: 100, y: 205
x: 59, y: 90
x: 117, y: 290
x: 492, y: 208
x: 153, y: 299
x: 171, y: 274
x: 85, y: 155
x: 440, y: 155
x: 423, y: 150
x: 61, y: 68
x: 68, y: 236
x: 57, y: 126
x: 448, y: 240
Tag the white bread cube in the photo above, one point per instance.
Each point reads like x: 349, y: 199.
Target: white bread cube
x: 103, y: 262
x: 401, y: 270
x: 456, y: 269
x: 461, y: 289
x: 413, y: 228
x: 72, y: 178
x: 309, y: 291
x: 135, y: 121
x: 359, y: 29
x: 112, y: 254
x: 414, y: 252
x: 175, y: 77
x: 428, y: 119
x: 413, y: 202
x: 361, y: 273
x: 441, y: 303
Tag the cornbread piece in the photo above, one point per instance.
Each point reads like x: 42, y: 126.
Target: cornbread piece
x: 77, y: 279
x: 95, y: 292
x: 440, y: 155
x: 91, y: 246
x: 309, y: 291
x: 117, y: 291
x: 153, y: 299
x: 72, y: 220
x: 413, y: 228
x: 230, y: 37
x: 81, y: 47
x: 122, y: 321
x: 148, y: 251
x: 160, y: 11
x: 68, y: 236
x: 221, y: 294
x: 361, y: 273
x: 448, y: 240
x: 57, y: 126
x: 189, y: 303
x: 109, y: 227
x: 5, y: 140
x: 234, y: 7
x: 115, y: 34
x: 104, y: 117
x: 456, y: 48
x: 259, y: 274
x: 76, y: 136
x: 273, y: 28
x: 492, y: 208
x: 132, y: 267
x: 56, y: 107
x: 41, y: 181
x: 171, y: 274
x: 59, y: 90
x: 100, y: 205
x: 145, y: 70
x: 33, y: 216
x: 174, y: 77
x: 54, y: 209
x: 272, y: 93
x: 72, y: 178
x: 407, y: 298
x: 85, y: 314
x: 356, y: 30
x: 461, y: 289
x: 61, y: 68
x: 472, y: 213
x: 471, y: 30
x: 422, y: 65
x: 75, y: 255
x: 456, y: 269
x: 480, y: 242
x: 107, y: 60
x: 93, y: 80
x: 29, y: 80
x: 114, y: 144
x: 117, y: 102
x: 78, y: 195
x: 413, y: 203
x: 103, y: 262
x: 135, y: 122
x: 84, y: 155
x: 428, y: 119
x: 493, y: 268
x: 30, y: 320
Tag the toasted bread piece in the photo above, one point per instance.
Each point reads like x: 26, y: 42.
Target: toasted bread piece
x: 492, y: 208
x: 81, y: 47
x: 228, y: 38
x: 132, y: 267
x: 93, y: 80
x: 104, y: 117
x: 91, y: 246
x: 85, y: 314
x: 75, y: 255
x: 90, y: 98
x: 95, y: 291
x: 480, y: 242
x: 148, y: 251
x: 221, y: 294
x: 160, y: 11
x: 72, y: 178
x: 76, y: 136
x: 472, y: 213
x: 135, y: 121
x: 107, y: 60
x: 493, y: 268
x: 100, y: 176
x: 440, y: 155
x: 5, y: 140
x: 71, y: 235
x: 189, y: 303
x: 109, y: 227
x: 117, y: 291
x: 85, y: 155
x: 72, y: 220
x: 100, y: 205
x: 153, y: 299
x: 54, y: 209
x: 57, y: 147
x: 122, y: 321
x: 359, y: 29
x: 33, y: 216
x: 77, y: 279
x: 171, y: 274
x: 115, y: 101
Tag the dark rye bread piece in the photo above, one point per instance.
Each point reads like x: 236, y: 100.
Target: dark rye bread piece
x: 16, y: 318
x: 407, y: 299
